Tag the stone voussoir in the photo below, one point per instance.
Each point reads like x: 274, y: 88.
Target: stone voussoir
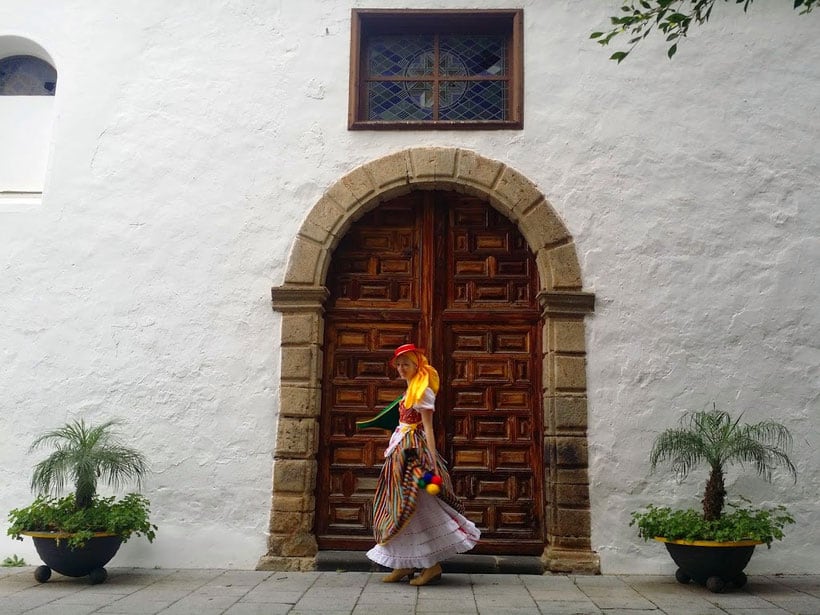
x: 564, y: 268
x: 476, y: 169
x: 517, y: 191
x: 323, y: 219
x: 433, y: 162
x: 390, y: 170
x: 541, y: 227
x: 303, y: 261
x: 360, y: 183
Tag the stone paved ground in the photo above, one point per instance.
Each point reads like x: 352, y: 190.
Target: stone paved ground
x: 230, y: 592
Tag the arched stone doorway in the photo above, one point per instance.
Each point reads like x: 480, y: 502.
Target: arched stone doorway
x: 292, y: 544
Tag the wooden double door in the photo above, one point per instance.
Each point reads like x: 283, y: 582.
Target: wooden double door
x: 454, y: 276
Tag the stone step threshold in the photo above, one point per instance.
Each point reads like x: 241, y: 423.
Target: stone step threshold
x: 471, y: 564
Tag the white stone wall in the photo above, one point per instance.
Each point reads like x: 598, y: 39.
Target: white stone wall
x: 25, y: 123
x: 191, y: 139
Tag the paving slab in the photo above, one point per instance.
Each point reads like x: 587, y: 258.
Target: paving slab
x: 134, y: 591
x: 568, y: 608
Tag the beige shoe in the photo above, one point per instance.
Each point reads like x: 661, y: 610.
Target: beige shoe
x: 398, y: 574
x: 428, y: 575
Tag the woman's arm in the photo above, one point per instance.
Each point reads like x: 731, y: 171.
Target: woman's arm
x: 430, y: 435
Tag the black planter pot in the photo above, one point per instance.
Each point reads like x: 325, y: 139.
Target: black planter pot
x: 89, y: 559
x: 710, y: 563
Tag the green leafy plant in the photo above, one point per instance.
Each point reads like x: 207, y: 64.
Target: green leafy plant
x: 742, y: 523
x: 124, y: 517
x: 638, y: 18
x: 13, y: 562
x: 714, y: 438
x: 83, y: 455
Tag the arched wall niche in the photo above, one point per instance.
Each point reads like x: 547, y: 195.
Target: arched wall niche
x: 19, y: 46
x: 26, y: 123
x: 300, y: 299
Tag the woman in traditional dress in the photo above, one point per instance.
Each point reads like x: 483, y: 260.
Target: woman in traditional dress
x: 415, y: 529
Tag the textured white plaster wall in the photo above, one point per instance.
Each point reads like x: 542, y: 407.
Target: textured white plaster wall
x: 25, y: 126
x: 191, y: 139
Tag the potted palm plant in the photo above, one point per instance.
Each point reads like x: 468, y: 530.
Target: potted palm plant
x: 712, y: 547
x: 78, y: 534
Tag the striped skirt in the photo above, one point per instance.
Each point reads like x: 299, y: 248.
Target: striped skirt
x: 412, y: 528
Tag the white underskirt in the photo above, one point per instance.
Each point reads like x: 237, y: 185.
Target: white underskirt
x: 434, y: 533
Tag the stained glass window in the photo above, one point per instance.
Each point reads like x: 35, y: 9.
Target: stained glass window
x: 27, y: 76
x: 461, y: 69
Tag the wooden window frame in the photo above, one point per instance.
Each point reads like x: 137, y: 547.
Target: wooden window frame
x: 370, y: 22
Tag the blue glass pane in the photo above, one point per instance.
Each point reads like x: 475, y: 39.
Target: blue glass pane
x: 27, y: 76
x: 403, y: 101
x: 389, y: 56
x: 482, y: 100
x: 477, y: 55
x: 415, y: 57
x: 452, y: 92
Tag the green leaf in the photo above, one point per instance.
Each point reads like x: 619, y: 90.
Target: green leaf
x: 596, y: 35
x: 124, y: 517
x: 742, y: 523
x: 672, y: 50
x: 639, y: 17
x: 619, y: 56
x: 13, y: 562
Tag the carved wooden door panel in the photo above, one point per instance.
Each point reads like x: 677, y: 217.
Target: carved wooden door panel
x: 451, y: 274
x: 489, y: 325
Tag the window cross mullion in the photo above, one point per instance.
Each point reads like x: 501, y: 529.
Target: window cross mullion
x: 436, y: 80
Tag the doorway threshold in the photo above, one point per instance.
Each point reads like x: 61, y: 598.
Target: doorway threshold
x: 464, y: 564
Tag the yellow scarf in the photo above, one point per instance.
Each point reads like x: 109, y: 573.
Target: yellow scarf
x: 426, y: 376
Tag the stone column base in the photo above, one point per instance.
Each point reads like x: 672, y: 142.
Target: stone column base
x: 286, y: 564
x: 572, y: 561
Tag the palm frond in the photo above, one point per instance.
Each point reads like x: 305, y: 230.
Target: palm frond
x: 77, y: 432
x: 119, y: 465
x: 718, y: 439
x: 85, y: 454
x: 683, y: 449
x: 765, y: 446
x: 50, y: 475
x: 770, y: 432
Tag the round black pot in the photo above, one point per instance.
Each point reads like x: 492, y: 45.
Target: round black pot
x: 89, y: 559
x: 710, y: 563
